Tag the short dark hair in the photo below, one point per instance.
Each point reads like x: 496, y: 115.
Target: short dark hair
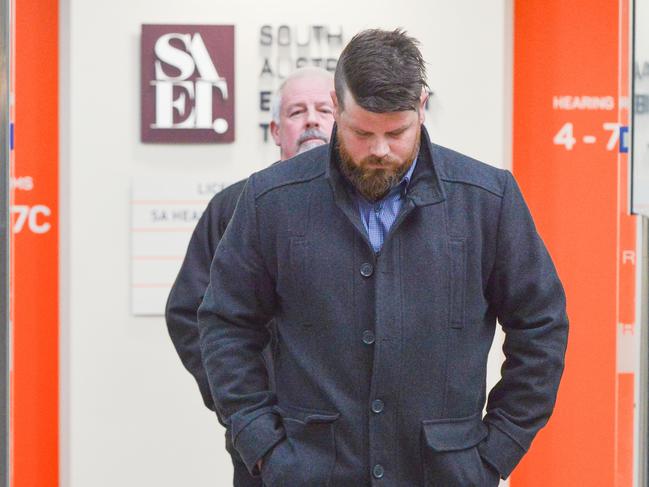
x: 383, y: 70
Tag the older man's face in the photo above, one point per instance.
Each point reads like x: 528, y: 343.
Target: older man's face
x: 306, y: 115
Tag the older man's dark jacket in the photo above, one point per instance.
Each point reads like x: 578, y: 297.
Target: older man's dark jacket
x: 186, y: 296
x: 380, y: 361
x: 189, y: 287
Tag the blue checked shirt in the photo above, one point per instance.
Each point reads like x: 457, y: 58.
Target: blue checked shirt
x: 379, y: 216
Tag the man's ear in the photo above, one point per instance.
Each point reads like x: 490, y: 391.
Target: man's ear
x: 274, y: 132
x: 334, y: 99
x: 422, y: 105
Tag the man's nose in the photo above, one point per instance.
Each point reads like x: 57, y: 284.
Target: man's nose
x: 380, y: 147
x: 312, y: 118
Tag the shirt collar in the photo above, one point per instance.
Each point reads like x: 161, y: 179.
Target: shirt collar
x: 402, y: 187
x: 405, y: 180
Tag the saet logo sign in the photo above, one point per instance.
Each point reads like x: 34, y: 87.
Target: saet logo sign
x: 187, y: 83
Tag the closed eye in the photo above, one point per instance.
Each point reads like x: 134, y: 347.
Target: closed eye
x: 396, y: 133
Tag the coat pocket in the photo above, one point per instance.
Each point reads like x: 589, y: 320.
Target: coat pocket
x: 297, y: 255
x: 292, y: 278
x: 308, y: 453
x: 449, y: 452
x: 457, y: 250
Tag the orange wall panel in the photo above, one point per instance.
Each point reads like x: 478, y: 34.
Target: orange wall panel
x: 35, y: 294
x: 570, y: 48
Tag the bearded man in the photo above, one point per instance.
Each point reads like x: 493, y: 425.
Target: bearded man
x: 384, y: 261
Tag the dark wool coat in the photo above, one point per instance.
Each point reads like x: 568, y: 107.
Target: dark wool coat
x: 380, y: 359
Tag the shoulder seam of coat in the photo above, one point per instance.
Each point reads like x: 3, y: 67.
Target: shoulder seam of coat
x: 281, y: 184
x: 473, y: 183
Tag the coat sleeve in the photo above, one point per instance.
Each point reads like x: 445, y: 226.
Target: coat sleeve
x: 238, y: 303
x: 187, y: 293
x: 529, y: 301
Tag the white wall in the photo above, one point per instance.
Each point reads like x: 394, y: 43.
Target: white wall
x: 131, y: 415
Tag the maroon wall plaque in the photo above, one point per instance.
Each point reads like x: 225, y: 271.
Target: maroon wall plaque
x: 187, y: 83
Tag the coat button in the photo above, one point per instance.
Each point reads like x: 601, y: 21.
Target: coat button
x: 367, y: 269
x: 378, y: 471
x: 377, y: 406
x: 368, y: 337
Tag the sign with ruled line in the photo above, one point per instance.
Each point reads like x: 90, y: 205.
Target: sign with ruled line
x: 164, y: 213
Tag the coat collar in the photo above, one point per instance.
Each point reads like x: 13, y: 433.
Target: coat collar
x: 424, y: 188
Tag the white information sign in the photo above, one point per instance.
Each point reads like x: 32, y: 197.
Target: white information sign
x: 164, y: 213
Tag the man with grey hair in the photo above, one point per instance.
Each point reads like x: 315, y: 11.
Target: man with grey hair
x: 384, y: 261
x: 302, y: 119
x: 302, y: 111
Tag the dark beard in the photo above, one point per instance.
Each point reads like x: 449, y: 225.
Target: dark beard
x: 373, y: 183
